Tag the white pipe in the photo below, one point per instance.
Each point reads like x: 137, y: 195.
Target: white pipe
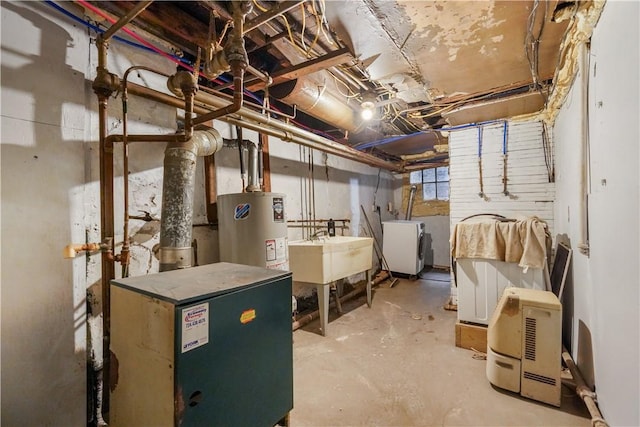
x: 583, y: 214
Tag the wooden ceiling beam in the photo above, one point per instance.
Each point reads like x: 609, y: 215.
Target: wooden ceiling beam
x: 331, y: 59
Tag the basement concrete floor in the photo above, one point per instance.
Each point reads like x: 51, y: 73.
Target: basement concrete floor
x: 396, y: 364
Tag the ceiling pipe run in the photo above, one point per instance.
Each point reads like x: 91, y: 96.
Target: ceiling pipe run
x: 258, y: 122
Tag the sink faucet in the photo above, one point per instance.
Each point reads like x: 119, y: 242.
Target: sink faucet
x: 317, y: 234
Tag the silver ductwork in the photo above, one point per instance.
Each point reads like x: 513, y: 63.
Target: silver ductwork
x: 317, y: 95
x: 412, y: 196
x: 254, y: 169
x: 177, y: 197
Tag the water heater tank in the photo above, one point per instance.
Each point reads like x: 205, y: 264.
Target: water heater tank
x: 252, y: 229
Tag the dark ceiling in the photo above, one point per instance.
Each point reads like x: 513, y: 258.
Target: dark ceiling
x: 425, y: 65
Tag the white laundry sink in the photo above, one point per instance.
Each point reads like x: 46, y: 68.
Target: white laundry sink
x: 328, y: 259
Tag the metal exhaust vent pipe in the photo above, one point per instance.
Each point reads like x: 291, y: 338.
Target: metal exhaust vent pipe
x: 319, y: 100
x: 176, y: 220
x: 412, y: 195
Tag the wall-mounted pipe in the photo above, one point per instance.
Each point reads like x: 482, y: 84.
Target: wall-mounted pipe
x: 583, y: 214
x: 480, y: 178
x: 505, y: 156
x: 262, y: 123
x: 584, y: 392
x: 176, y: 219
x: 412, y: 195
x: 104, y: 85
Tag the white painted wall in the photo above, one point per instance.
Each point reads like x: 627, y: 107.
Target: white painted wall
x: 604, y: 299
x: 43, y: 174
x: 530, y: 192
x: 50, y: 197
x: 527, y: 178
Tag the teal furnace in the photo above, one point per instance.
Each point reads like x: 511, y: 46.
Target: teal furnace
x: 204, y: 346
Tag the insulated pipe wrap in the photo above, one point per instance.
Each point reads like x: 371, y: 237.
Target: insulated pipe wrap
x: 176, y: 222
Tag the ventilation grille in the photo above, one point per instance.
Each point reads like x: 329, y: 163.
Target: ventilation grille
x: 530, y: 339
x: 539, y: 378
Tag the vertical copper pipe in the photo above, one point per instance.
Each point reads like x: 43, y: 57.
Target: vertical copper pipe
x: 238, y: 77
x: 210, y: 188
x: 124, y: 253
x: 106, y: 232
x: 103, y: 86
x: 266, y: 163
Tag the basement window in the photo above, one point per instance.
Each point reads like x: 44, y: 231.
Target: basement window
x: 434, y: 181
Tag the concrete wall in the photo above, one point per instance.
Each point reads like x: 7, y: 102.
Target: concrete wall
x: 601, y: 307
x: 51, y: 308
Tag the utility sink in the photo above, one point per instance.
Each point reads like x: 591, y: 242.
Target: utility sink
x: 323, y: 261
x: 328, y: 259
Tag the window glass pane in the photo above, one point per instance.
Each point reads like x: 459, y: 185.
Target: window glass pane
x: 429, y: 191
x: 429, y: 175
x: 443, y: 174
x: 415, y: 177
x: 443, y: 190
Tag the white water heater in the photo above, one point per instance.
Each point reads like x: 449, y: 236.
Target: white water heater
x: 252, y: 229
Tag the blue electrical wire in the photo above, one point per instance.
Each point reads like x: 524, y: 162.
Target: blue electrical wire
x: 100, y: 30
x: 447, y: 129
x: 182, y: 60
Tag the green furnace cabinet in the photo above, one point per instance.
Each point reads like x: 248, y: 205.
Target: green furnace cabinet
x: 204, y: 346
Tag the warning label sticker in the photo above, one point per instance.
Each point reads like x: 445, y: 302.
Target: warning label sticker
x: 276, y: 256
x: 278, y: 209
x: 195, y: 326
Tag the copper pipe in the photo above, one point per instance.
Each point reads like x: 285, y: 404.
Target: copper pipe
x: 236, y: 55
x: 584, y: 392
x: 106, y: 232
x: 130, y: 16
x: 238, y: 76
x: 124, y: 252
x: 297, y: 324
x: 104, y: 85
x: 266, y: 162
x: 269, y: 126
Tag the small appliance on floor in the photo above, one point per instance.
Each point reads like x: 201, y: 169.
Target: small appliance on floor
x: 524, y: 344
x: 403, y: 246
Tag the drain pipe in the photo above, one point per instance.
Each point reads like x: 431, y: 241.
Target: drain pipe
x: 412, y: 195
x: 176, y: 218
x: 300, y: 322
x: 588, y: 397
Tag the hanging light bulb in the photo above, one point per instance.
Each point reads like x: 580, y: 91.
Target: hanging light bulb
x: 367, y: 110
x: 368, y: 105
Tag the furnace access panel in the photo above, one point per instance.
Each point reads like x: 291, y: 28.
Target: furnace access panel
x: 204, y: 346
